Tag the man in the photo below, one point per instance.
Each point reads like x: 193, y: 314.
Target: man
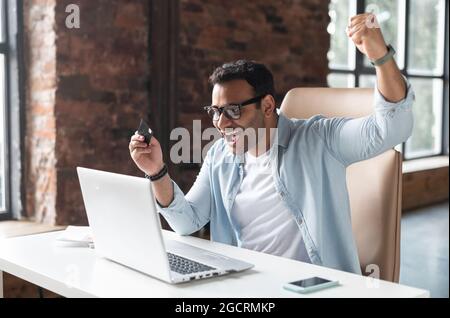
x: 288, y: 196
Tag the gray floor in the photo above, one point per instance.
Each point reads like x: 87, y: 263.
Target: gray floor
x: 425, y: 249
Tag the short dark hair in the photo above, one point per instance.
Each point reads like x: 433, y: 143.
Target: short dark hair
x: 256, y: 74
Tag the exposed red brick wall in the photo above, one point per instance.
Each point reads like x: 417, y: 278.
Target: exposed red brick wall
x: 40, y: 68
x: 14, y: 287
x: 289, y: 36
x: 102, y: 72
x: 102, y: 92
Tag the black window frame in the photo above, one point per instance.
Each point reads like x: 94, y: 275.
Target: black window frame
x: 362, y: 69
x: 11, y: 47
x: 5, y: 213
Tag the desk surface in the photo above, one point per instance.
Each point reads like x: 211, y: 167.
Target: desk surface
x: 78, y: 272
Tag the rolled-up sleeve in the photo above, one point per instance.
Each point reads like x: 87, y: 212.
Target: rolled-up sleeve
x: 189, y: 213
x: 352, y: 140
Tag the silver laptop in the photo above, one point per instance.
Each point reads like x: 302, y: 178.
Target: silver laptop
x: 126, y: 228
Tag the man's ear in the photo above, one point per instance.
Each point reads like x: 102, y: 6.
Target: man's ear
x: 268, y: 105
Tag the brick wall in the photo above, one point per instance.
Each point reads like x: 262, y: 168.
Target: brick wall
x: 40, y: 72
x: 102, y: 70
x: 97, y: 89
x: 86, y: 88
x: 289, y: 36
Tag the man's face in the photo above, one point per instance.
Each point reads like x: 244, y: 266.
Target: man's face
x: 236, y: 92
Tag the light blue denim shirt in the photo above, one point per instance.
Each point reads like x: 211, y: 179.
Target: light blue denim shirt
x: 309, y: 160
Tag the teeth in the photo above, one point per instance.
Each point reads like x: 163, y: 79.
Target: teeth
x: 232, y: 138
x: 229, y: 132
x: 231, y: 135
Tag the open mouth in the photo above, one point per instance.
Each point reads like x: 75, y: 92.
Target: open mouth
x: 232, y: 135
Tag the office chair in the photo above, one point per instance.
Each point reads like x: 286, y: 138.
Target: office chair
x: 374, y: 185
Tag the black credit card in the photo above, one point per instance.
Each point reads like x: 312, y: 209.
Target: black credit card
x: 144, y: 130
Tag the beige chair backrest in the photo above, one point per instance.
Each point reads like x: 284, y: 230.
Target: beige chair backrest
x: 374, y: 185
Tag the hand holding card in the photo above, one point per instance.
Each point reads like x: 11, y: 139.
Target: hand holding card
x: 145, y: 150
x: 144, y: 130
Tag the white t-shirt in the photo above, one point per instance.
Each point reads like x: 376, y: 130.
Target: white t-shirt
x: 265, y: 224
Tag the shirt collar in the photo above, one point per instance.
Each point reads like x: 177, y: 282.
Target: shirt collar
x: 283, y: 134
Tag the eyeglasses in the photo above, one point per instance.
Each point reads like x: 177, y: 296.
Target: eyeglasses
x: 232, y: 111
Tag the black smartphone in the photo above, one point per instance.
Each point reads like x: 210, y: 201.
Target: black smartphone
x: 144, y: 130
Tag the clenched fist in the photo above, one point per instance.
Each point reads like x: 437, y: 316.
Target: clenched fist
x: 365, y: 32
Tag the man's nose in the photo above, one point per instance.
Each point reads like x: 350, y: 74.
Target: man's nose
x: 223, y: 122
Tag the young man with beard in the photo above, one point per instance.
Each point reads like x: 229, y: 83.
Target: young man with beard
x: 288, y: 197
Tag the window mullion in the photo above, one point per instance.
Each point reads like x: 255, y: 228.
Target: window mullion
x: 407, y: 22
x: 359, y: 59
x: 445, y: 100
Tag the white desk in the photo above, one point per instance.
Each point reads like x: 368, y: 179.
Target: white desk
x: 78, y: 272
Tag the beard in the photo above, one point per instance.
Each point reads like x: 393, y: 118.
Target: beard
x: 241, y: 138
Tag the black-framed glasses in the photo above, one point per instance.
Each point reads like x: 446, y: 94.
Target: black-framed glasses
x: 232, y: 111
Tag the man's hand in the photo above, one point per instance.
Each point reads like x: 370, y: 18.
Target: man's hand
x: 148, y: 158
x: 365, y: 32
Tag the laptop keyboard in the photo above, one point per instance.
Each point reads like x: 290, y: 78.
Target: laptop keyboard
x: 183, y: 265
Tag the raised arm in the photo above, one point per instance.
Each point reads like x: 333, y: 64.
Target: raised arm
x: 352, y: 140
x: 365, y: 32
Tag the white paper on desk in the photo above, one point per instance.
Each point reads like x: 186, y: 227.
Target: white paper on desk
x: 76, y: 236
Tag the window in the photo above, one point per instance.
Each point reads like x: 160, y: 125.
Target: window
x: 10, y: 113
x: 418, y: 29
x: 3, y: 115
